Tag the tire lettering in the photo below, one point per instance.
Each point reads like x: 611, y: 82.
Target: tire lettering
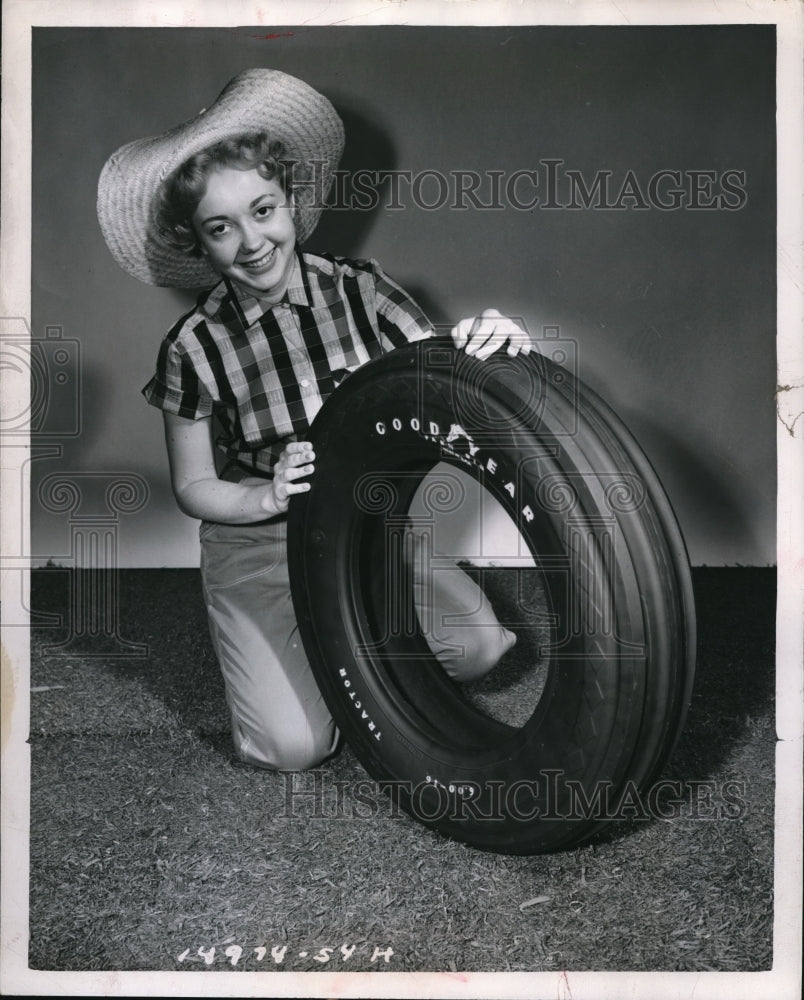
x: 463, y: 790
x: 455, y: 432
x: 488, y: 464
x: 358, y: 704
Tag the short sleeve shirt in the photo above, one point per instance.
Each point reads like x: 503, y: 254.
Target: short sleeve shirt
x: 264, y: 370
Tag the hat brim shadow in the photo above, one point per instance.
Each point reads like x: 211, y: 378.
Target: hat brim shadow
x: 346, y: 222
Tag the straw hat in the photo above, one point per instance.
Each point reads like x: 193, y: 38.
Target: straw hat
x: 255, y: 100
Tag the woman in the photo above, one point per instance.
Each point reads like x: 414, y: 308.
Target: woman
x: 225, y: 200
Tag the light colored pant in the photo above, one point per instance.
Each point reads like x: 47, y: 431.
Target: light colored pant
x: 454, y: 614
x: 279, y: 719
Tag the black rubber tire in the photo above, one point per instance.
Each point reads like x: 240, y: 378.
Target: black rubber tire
x: 613, y: 565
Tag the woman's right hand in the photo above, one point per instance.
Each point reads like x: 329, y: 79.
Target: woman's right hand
x: 295, y: 462
x: 199, y: 491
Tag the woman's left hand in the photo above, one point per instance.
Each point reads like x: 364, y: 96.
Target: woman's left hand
x: 482, y: 335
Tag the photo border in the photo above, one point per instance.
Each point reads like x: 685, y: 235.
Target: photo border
x: 784, y: 980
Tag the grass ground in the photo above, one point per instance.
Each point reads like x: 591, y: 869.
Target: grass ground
x: 152, y: 850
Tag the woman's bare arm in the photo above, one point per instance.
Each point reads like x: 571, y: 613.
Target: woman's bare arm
x: 201, y: 494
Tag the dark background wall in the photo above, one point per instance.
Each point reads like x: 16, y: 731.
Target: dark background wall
x: 671, y: 313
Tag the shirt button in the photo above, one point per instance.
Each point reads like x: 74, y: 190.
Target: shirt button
x: 304, y: 383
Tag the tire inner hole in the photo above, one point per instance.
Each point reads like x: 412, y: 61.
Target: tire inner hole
x: 460, y: 524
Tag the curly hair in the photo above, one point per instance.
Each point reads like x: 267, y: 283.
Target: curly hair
x: 183, y: 190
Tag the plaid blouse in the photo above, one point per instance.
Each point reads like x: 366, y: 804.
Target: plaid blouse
x: 265, y: 370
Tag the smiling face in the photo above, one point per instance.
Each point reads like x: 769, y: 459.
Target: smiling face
x: 245, y: 226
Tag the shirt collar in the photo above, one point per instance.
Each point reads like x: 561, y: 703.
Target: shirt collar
x: 249, y: 308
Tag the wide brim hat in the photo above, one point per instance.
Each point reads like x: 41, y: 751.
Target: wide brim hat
x: 287, y: 108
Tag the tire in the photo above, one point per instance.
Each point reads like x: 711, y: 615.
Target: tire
x: 618, y: 626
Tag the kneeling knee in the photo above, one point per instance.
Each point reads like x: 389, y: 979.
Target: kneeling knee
x: 303, y: 757
x: 300, y: 753
x: 482, y: 653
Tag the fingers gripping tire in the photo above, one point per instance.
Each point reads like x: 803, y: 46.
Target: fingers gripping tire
x: 612, y: 566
